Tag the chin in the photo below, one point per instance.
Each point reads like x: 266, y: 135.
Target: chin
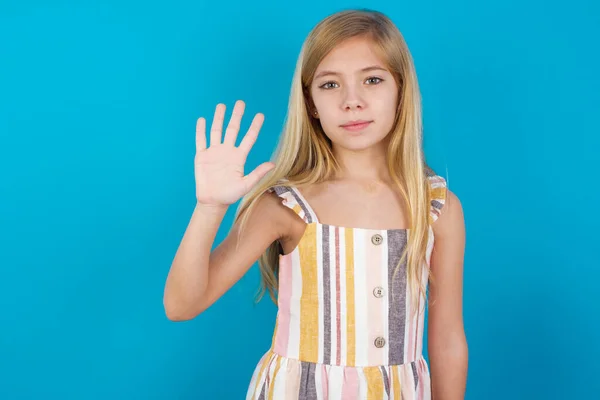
x: 357, y: 143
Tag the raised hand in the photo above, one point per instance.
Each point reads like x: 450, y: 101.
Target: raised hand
x: 219, y: 169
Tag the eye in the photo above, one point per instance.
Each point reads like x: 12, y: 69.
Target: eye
x: 374, y: 78
x: 326, y: 85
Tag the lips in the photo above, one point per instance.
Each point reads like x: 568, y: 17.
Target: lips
x: 356, y: 125
x: 356, y: 122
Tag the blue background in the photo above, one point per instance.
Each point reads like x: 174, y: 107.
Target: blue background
x: 98, y: 106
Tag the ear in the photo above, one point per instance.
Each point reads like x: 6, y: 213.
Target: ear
x: 310, y: 106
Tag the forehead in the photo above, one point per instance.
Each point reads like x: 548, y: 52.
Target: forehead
x: 352, y: 54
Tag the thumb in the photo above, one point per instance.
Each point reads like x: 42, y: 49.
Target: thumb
x: 257, y: 174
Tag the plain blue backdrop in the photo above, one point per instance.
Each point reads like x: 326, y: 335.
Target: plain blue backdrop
x: 98, y: 106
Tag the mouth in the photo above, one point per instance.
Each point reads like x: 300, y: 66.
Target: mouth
x: 356, y: 125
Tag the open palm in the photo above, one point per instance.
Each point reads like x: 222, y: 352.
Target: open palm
x: 219, y: 169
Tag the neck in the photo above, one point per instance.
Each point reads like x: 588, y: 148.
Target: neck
x: 367, y: 165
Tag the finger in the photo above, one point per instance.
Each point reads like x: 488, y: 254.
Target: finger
x: 200, y: 134
x: 257, y: 174
x: 234, y: 123
x: 217, y: 124
x: 250, y: 137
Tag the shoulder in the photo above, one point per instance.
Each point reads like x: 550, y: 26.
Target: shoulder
x: 278, y: 208
x: 268, y: 211
x: 451, y: 216
x: 445, y: 206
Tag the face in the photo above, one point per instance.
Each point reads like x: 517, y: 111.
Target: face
x: 355, y: 95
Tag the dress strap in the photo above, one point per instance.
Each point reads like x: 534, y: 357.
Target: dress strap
x: 437, y: 193
x: 293, y: 199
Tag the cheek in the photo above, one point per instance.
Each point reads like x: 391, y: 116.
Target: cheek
x: 327, y: 110
x: 386, y: 104
x: 322, y: 101
x: 329, y: 125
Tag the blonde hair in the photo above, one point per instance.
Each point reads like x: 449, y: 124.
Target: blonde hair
x: 303, y: 155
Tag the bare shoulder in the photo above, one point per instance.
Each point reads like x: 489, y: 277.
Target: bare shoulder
x: 451, y: 220
x: 268, y: 218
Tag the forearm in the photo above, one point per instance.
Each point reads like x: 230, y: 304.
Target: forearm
x: 188, y: 276
x: 449, y: 364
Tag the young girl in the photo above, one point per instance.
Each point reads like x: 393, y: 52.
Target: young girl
x: 343, y: 228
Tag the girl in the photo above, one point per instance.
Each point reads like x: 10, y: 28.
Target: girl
x: 343, y: 228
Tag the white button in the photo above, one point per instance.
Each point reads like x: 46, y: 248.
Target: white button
x: 377, y: 239
x: 378, y: 292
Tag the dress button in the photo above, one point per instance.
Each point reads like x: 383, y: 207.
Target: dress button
x: 379, y: 342
x: 377, y: 239
x: 378, y: 292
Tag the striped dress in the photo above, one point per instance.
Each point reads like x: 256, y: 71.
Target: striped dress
x: 344, y: 328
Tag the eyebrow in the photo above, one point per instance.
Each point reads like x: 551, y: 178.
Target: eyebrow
x: 367, y: 69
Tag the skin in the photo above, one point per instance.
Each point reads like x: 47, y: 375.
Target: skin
x: 353, y: 83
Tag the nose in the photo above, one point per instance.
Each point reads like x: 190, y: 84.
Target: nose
x: 352, y: 99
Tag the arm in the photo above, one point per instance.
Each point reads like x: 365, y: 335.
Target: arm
x: 197, y: 277
x: 447, y: 344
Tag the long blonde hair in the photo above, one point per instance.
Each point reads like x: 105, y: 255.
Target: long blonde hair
x: 303, y: 155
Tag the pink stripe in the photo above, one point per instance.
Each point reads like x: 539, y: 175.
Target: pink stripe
x: 375, y: 305
x: 350, y: 384
x: 414, y: 327
x: 285, y: 292
x: 419, y: 346
x: 293, y: 372
x: 419, y: 334
x: 325, y: 382
x: 408, y: 381
x: 409, y: 329
x: 338, y: 316
x: 420, y: 384
x: 414, y: 332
